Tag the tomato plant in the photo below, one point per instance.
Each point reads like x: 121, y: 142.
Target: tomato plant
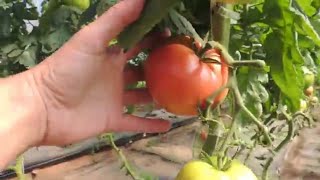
x: 179, y: 80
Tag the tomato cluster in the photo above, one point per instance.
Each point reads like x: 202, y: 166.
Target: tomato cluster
x: 179, y: 79
x: 309, y: 79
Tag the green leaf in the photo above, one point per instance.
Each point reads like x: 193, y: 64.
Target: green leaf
x: 6, y: 49
x: 153, y: 13
x: 15, y: 53
x: 282, y: 48
x: 254, y: 94
x: 306, y: 7
x: 198, y: 10
x: 316, y: 24
x: 56, y: 39
x: 28, y: 58
x: 316, y: 4
x: 285, y: 65
x: 22, y: 12
x: 89, y: 14
x: 104, y: 5
x: 184, y: 26
x: 305, y: 25
x: 305, y: 42
x: 252, y: 15
x: 5, y: 27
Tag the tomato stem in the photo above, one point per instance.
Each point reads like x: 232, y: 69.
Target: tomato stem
x: 215, y: 132
x: 305, y: 116
x: 215, y: 128
x: 124, y: 160
x: 287, y: 139
x: 253, y: 63
x: 220, y: 33
x: 231, y: 131
x: 19, y: 168
x: 239, y: 102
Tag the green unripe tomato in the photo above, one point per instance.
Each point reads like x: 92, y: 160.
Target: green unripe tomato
x: 309, y: 79
x: 81, y: 4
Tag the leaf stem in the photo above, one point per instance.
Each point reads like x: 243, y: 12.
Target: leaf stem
x: 253, y: 63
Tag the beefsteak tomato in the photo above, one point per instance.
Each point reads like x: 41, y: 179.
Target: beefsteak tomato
x: 179, y: 79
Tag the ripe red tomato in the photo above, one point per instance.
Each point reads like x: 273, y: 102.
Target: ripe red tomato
x: 179, y: 81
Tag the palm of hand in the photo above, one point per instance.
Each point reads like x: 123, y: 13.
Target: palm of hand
x: 82, y: 85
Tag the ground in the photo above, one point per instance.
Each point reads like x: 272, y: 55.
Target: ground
x: 165, y: 154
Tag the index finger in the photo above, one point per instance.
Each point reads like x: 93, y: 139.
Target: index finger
x: 97, y: 35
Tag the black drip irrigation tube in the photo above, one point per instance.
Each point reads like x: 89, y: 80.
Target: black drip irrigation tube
x: 76, y: 154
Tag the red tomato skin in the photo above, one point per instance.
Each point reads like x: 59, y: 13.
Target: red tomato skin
x: 178, y: 81
x: 224, y: 72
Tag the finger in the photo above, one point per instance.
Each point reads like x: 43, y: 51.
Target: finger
x: 137, y: 96
x: 148, y: 43
x: 131, y: 123
x: 132, y: 75
x: 99, y: 33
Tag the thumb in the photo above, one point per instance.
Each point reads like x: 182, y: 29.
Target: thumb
x: 97, y: 35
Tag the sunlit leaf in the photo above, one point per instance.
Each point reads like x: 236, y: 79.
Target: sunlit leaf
x: 153, y: 13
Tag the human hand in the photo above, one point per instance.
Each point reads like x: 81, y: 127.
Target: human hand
x: 82, y: 84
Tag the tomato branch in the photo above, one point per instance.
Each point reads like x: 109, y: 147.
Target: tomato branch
x: 239, y: 102
x: 212, y: 140
x: 280, y: 146
x: 224, y: 146
x: 305, y: 116
x: 19, y: 168
x: 124, y: 160
x: 215, y: 128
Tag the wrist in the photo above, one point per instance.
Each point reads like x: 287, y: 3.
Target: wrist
x: 23, y: 116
